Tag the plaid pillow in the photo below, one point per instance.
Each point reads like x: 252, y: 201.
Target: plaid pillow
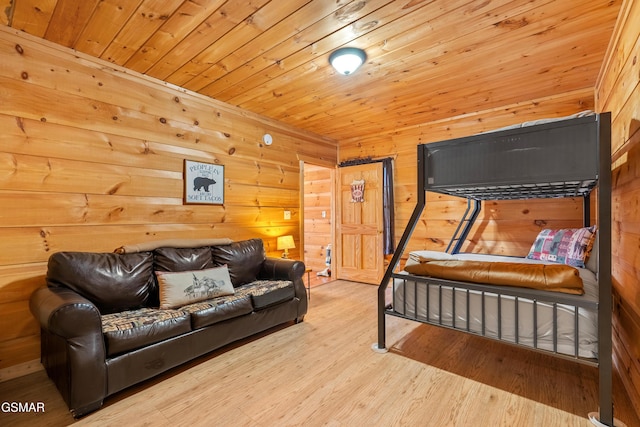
x: 571, y: 246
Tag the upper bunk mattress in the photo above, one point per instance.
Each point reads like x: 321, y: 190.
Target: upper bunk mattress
x: 555, y: 158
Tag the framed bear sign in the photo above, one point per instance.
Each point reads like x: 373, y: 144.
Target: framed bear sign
x: 203, y: 183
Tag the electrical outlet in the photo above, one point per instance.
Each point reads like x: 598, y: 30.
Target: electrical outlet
x: 287, y: 214
x: 324, y: 214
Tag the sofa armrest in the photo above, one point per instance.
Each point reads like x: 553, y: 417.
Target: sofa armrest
x: 287, y: 269
x: 281, y: 269
x: 72, y: 346
x: 65, y: 313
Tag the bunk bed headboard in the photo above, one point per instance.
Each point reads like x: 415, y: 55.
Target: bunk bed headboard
x: 556, y: 159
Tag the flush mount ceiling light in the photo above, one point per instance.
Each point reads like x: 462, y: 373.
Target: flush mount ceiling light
x: 346, y: 60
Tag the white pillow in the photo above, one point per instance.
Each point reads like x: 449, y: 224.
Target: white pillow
x: 592, y: 261
x: 416, y: 256
x: 186, y: 287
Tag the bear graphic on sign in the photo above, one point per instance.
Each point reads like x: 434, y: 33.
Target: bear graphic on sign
x: 202, y: 183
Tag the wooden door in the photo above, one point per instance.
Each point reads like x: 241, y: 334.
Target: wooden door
x: 359, y: 224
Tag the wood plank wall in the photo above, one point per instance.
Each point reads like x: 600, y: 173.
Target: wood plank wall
x: 91, y: 158
x: 318, y: 184
x: 618, y: 91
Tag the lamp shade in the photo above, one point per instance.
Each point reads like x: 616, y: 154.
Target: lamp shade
x: 285, y: 242
x: 347, y: 59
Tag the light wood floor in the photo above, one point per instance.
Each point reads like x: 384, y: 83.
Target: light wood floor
x: 323, y: 372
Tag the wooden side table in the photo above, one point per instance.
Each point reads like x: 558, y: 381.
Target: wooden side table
x: 308, y: 271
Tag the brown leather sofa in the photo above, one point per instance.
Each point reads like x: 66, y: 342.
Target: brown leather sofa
x: 89, y: 360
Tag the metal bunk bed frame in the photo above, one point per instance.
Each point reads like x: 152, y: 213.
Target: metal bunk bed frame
x: 563, y: 158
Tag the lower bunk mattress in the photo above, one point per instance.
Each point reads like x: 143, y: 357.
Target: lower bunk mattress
x: 539, y: 324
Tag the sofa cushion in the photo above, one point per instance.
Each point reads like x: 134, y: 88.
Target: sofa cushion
x: 216, y: 310
x: 186, y: 287
x: 133, y: 329
x: 182, y: 259
x: 243, y: 258
x: 265, y: 293
x: 113, y: 282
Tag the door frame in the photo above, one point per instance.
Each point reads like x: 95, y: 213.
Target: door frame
x: 332, y: 208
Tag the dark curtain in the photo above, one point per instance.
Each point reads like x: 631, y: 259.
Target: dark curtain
x: 387, y: 199
x: 387, y: 203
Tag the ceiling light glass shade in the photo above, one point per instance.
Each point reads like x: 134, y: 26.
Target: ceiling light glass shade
x: 347, y: 59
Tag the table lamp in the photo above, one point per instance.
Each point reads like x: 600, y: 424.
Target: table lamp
x: 285, y: 243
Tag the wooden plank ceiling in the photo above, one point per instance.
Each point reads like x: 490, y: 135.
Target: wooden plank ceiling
x: 427, y: 60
